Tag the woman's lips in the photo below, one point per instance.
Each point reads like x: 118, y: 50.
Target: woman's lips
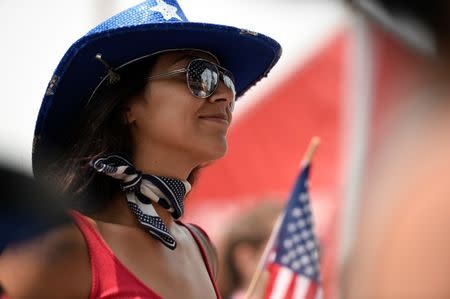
x: 219, y: 118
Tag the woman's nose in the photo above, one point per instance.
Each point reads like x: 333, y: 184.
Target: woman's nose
x: 223, y: 94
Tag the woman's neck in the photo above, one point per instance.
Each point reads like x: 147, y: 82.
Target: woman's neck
x: 118, y: 212
x: 164, y: 163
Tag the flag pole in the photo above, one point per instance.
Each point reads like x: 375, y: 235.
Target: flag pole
x: 262, y: 261
x: 312, y: 147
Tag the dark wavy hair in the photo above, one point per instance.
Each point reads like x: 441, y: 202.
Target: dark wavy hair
x: 102, y: 130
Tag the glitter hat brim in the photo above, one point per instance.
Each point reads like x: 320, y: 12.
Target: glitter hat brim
x: 248, y: 55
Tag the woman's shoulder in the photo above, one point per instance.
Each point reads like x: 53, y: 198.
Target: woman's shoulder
x: 54, y: 265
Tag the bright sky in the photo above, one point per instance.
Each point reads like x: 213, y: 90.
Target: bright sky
x: 36, y: 34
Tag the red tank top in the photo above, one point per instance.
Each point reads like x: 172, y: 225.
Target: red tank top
x: 110, y: 278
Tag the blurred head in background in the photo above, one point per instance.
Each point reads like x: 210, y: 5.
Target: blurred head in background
x: 243, y: 244
x: 402, y: 247
x: 27, y: 208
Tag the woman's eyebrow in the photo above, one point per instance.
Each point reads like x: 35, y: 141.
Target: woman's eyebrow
x: 183, y: 57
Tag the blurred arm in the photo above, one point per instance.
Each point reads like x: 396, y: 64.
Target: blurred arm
x: 55, y: 265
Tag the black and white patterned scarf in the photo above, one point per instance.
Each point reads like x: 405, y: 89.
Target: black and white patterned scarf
x: 142, y: 190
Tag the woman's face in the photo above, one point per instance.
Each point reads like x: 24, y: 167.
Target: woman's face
x: 168, y: 119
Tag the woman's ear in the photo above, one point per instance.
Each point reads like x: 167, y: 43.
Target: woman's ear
x: 134, y: 110
x: 129, y: 112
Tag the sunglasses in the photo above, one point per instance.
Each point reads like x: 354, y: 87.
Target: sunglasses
x: 202, y: 77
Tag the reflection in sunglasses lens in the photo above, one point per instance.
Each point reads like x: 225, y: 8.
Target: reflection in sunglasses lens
x: 203, y: 78
x: 229, y: 83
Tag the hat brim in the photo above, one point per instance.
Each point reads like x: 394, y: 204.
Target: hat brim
x: 248, y: 55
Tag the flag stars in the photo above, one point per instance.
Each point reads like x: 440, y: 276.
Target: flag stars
x: 296, y: 265
x: 300, y: 250
x: 301, y: 223
x: 304, y: 197
x: 305, y: 234
x: 306, y: 210
x: 292, y: 227
x: 310, y: 245
x: 292, y: 255
x: 288, y: 243
x: 315, y: 255
x: 305, y: 260
x: 296, y: 212
x: 285, y: 259
x: 309, y: 271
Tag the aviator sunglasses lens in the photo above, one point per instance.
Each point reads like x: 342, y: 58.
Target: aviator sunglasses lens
x: 202, y: 77
x: 228, y: 79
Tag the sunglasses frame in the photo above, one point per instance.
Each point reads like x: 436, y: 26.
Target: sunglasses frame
x: 220, y: 70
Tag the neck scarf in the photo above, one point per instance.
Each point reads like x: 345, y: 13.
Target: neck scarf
x: 143, y: 190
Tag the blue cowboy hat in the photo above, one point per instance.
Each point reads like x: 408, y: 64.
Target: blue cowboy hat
x: 147, y: 28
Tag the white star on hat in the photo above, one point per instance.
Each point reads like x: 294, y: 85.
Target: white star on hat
x: 166, y: 10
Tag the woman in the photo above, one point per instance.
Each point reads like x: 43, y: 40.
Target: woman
x: 133, y: 110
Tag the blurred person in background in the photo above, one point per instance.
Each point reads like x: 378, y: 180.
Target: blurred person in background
x: 27, y: 210
x: 242, y: 246
x: 402, y: 247
x: 134, y: 109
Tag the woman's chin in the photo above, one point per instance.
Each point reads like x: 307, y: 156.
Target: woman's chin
x: 213, y: 152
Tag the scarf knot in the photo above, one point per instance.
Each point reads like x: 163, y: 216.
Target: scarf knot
x: 143, y: 190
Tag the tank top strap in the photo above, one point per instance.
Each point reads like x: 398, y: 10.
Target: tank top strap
x: 202, y: 240
x: 94, y: 250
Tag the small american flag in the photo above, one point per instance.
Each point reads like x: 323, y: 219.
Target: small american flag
x: 293, y: 267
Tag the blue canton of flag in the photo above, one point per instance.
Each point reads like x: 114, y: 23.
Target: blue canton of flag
x: 295, y: 270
